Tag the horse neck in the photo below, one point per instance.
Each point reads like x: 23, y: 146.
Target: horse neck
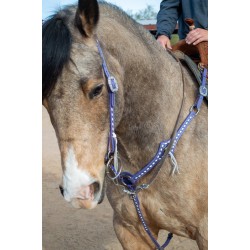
x: 151, y: 95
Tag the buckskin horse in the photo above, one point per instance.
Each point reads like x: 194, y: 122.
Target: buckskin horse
x: 113, y: 96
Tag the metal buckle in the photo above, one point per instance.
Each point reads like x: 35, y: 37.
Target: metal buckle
x: 195, y: 109
x: 130, y: 193
x: 141, y: 187
x: 113, y: 86
x: 203, y: 90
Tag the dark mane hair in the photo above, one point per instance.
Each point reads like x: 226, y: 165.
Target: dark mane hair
x: 56, y: 46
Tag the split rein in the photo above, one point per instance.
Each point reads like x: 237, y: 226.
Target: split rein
x: 128, y: 181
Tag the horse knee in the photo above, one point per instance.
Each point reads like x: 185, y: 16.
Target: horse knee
x: 201, y: 237
x: 202, y: 242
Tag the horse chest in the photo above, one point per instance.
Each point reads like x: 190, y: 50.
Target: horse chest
x: 125, y: 209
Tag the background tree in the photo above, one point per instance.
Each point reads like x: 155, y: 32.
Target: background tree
x: 147, y: 13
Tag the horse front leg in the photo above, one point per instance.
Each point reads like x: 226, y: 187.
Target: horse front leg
x: 202, y: 235
x: 130, y: 237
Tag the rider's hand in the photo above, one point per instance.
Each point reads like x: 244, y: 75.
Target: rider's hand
x: 164, y: 41
x: 196, y: 36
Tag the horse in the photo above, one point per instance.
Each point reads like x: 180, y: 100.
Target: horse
x: 154, y: 93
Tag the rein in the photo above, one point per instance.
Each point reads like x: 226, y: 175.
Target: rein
x: 128, y: 181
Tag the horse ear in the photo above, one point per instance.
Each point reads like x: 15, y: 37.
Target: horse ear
x: 87, y: 16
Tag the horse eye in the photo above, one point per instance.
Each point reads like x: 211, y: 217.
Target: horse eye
x: 96, y: 91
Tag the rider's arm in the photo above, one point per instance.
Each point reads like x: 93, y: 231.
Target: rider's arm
x: 166, y: 20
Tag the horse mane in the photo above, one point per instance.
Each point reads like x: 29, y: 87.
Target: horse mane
x: 56, y: 46
x: 120, y: 16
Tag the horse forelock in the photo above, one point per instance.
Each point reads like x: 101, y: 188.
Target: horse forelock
x: 56, y: 46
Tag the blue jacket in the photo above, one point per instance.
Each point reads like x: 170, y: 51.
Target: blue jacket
x: 172, y: 11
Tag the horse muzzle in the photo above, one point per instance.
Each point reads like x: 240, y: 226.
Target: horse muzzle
x: 86, y: 197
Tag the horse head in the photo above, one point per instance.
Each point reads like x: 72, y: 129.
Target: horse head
x: 76, y: 97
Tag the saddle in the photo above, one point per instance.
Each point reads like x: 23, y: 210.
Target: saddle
x: 192, y: 51
x: 194, y: 56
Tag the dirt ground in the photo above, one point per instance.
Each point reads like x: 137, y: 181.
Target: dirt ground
x: 67, y: 228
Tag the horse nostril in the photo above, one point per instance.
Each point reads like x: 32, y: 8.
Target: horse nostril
x: 96, y: 187
x: 61, y: 190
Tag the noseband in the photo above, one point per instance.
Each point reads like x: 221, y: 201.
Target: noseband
x: 128, y: 181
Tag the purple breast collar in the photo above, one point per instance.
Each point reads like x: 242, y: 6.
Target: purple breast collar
x: 127, y: 180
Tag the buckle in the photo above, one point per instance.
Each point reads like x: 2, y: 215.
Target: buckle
x: 203, y: 90
x: 195, y: 109
x: 113, y: 86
